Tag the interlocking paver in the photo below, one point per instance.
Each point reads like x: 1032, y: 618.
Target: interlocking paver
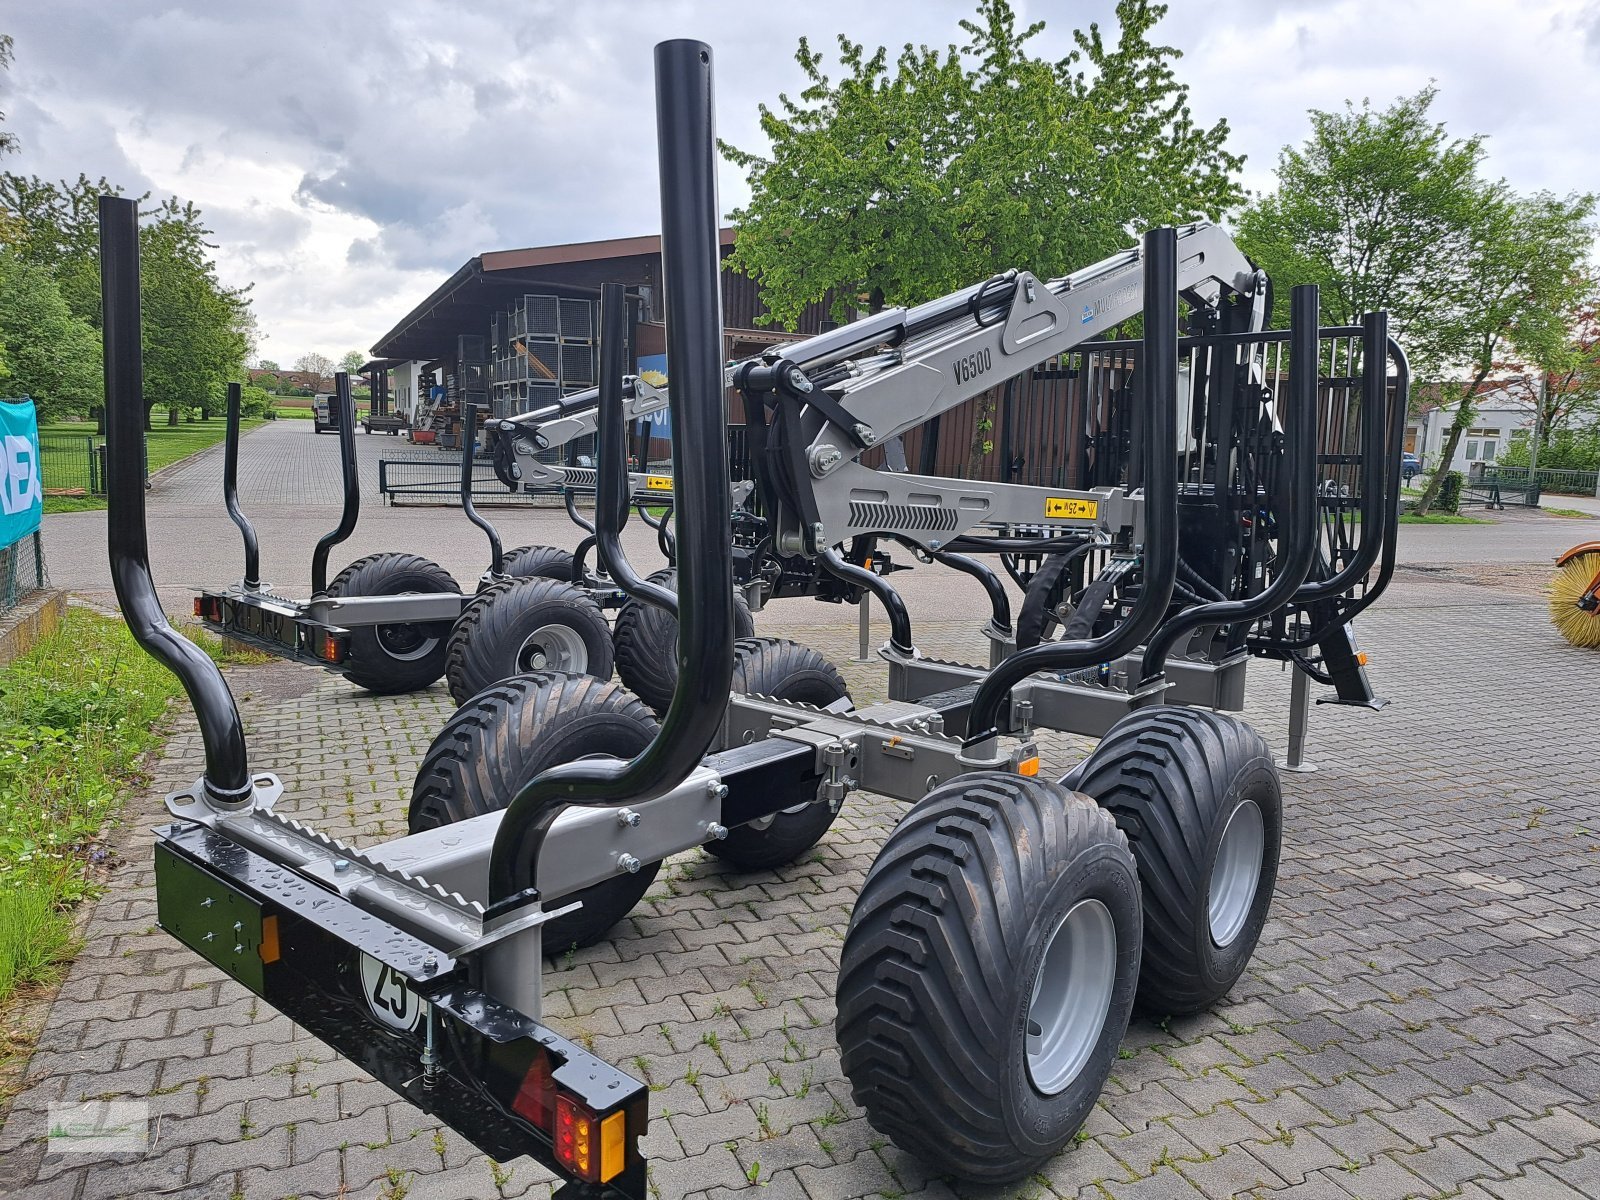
x: 1420, y: 1018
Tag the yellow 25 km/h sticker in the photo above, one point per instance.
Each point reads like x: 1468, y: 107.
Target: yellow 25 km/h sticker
x: 658, y: 483
x: 1071, y: 508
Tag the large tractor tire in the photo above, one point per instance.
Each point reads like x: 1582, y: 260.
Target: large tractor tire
x: 547, y: 562
x: 508, y: 734
x: 404, y: 657
x: 646, y: 639
x: 1197, y: 794
x: 1572, y: 588
x: 784, y: 670
x: 523, y: 625
x: 988, y: 974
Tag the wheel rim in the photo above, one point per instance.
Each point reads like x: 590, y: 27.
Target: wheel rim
x: 406, y: 642
x: 1071, y: 995
x: 554, y: 648
x: 1238, y: 872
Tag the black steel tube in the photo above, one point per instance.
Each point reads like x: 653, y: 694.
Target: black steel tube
x: 1374, y: 439
x: 352, y: 485
x: 1297, y: 531
x: 570, y: 499
x: 227, y: 777
x: 690, y: 258
x: 899, y: 617
x: 469, y: 438
x: 999, y: 602
x: 230, y: 493
x: 612, y: 497
x: 1159, y: 554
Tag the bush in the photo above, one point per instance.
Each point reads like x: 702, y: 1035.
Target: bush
x: 1450, y: 493
x: 1566, y: 450
x: 254, y: 402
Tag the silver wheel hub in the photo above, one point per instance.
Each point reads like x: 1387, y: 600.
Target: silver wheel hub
x: 1237, y: 873
x: 1071, y: 995
x: 553, y: 648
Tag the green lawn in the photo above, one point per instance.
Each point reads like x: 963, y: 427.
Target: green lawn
x: 1437, y: 518
x: 168, y: 444
x: 1566, y: 512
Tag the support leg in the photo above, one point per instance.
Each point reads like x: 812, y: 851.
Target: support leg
x: 1299, y: 707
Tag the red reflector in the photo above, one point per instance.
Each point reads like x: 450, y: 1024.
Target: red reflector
x: 199, y: 609
x: 535, y: 1099
x: 577, y: 1139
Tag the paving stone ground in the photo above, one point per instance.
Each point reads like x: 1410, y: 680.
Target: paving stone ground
x: 1419, y: 1020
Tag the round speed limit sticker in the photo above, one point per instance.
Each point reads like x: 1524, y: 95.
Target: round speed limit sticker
x: 389, y: 995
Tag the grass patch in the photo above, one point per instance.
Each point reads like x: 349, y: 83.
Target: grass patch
x: 77, y: 715
x: 1566, y: 512
x: 60, y: 504
x: 1441, y: 519
x: 294, y: 413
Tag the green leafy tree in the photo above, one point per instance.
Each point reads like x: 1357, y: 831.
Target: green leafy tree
x: 1385, y: 210
x: 8, y: 140
x: 266, y: 364
x: 45, y: 351
x: 352, y: 363
x: 197, y: 330
x: 897, y: 184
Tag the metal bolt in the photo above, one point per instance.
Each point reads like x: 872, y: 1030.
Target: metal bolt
x: 865, y: 433
x: 341, y: 864
x: 935, y: 723
x: 207, y: 902
x: 237, y: 948
x: 629, y: 863
x: 430, y: 964
x: 934, y: 543
x: 717, y: 790
x: 628, y: 818
x: 798, y: 381
x: 716, y: 832
x: 238, y: 926
x: 210, y: 937
x: 825, y: 459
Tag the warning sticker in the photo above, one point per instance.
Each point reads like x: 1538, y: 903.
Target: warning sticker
x: 658, y: 483
x: 1070, y: 508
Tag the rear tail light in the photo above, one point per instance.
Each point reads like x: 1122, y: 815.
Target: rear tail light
x: 536, y: 1098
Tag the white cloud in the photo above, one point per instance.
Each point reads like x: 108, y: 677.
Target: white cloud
x: 350, y: 156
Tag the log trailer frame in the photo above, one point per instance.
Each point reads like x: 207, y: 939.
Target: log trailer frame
x: 1002, y: 935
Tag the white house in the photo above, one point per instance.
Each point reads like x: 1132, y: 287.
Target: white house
x: 1500, y: 413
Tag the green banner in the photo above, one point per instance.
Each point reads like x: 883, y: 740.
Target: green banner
x: 21, y: 493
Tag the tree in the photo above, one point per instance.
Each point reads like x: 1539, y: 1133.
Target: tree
x: 1385, y: 211
x: 8, y: 140
x: 197, y: 330
x: 352, y: 363
x: 893, y: 187
x: 1570, y: 372
x: 318, y: 368
x: 45, y: 351
x: 266, y: 364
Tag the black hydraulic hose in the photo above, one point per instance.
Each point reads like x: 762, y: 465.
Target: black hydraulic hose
x: 1374, y: 436
x: 690, y: 258
x: 227, y: 775
x: 469, y: 437
x: 352, y: 485
x: 612, y: 497
x: 230, y: 493
x: 899, y: 617
x: 1297, y: 531
x: 1158, y: 365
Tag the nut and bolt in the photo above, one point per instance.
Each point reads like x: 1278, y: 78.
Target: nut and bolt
x: 825, y: 459
x: 430, y: 964
x: 796, y: 379
x: 716, y: 832
x: 628, y: 819
x: 629, y: 863
x: 717, y: 790
x: 865, y: 433
x: 341, y: 864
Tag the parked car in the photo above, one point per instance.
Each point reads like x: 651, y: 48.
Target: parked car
x: 324, y: 413
x: 1410, y: 467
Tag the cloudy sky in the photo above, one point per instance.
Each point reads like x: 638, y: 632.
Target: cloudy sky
x: 350, y: 155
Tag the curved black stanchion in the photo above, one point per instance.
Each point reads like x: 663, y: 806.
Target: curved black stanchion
x: 230, y: 493
x: 999, y: 602
x: 227, y: 778
x: 612, y: 492
x: 469, y: 438
x: 1298, y: 529
x: 1159, y: 557
x: 690, y: 261
x: 352, y: 485
x: 899, y: 617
